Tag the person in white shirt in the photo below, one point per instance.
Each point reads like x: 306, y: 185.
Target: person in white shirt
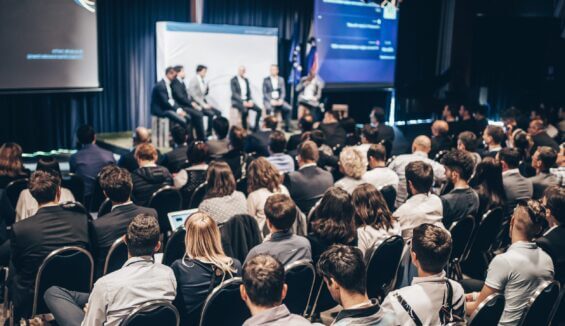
x: 519, y: 271
x: 379, y: 174
x: 422, y: 206
x: 274, y: 93
x: 430, y: 251
x: 352, y: 165
x: 373, y: 219
x: 420, y: 149
x: 242, y: 100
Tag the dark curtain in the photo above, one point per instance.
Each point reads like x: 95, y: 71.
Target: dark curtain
x: 126, y: 45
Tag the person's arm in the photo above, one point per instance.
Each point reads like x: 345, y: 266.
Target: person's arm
x: 194, y: 90
x: 235, y: 93
x: 95, y: 313
x: 164, y: 98
x: 251, y: 208
x: 471, y: 306
x: 266, y: 93
x: 178, y: 95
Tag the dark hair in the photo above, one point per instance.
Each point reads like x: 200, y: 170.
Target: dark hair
x: 555, y: 201
x: 178, y: 68
x: 116, y: 183
x: 522, y: 143
x: 199, y: 68
x: 221, y: 127
x: 43, y: 186
x: 308, y: 151
x: 179, y: 134
x: 318, y: 137
x: 348, y: 124
x: 421, y: 175
x: 146, y: 152
x: 496, y: 132
x: 482, y: 110
x: 377, y: 151
x: 85, y: 134
x: 277, y: 141
x: 237, y: 137
x: 49, y: 164
x: 271, y: 122
x: 220, y: 180
x: 547, y: 156
x: 168, y: 70
x: 197, y: 152
x: 142, y: 235
x: 371, y: 134
x: 488, y: 183
x: 379, y: 114
x: 262, y: 174
x: 432, y: 245
x: 452, y: 108
x: 511, y: 156
x: 333, y: 217
x: 306, y: 122
x: 371, y: 208
x: 459, y: 161
x: 469, y: 140
x: 263, y: 279
x: 281, y: 211
x: 346, y: 266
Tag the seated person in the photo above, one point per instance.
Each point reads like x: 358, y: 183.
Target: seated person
x: 467, y: 142
x: 542, y: 160
x: 117, y: 294
x: 219, y: 144
x: 379, y: 175
x: 257, y: 143
x: 142, y: 135
x: 176, y: 158
x: 274, y: 93
x: 370, y: 136
x: 203, y: 267
x: 519, y: 271
x: 352, y: 164
x: 277, y: 143
x: 330, y: 126
x: 431, y: 248
x: 282, y: 244
x: 305, y: 124
x: 116, y: 184
x: 462, y: 200
x: 553, y: 240
x: 149, y: 177
x: 441, y: 140
x: 516, y: 186
x: 32, y: 239
x: 309, y: 91
x: 493, y: 137
x: 423, y: 206
x: 242, y: 100
x: 236, y: 157
x: 194, y: 175
x: 263, y: 291
x: 344, y: 273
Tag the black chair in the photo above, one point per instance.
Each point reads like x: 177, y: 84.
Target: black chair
x: 382, y: 266
x: 306, y: 205
x: 13, y: 190
x: 94, y: 200
x: 69, y: 267
x: 164, y: 201
x: 540, y: 305
x: 116, y: 257
x: 224, y: 306
x: 488, y: 312
x: 175, y: 248
x: 389, y: 194
x: 241, y: 185
x: 299, y: 277
x: 75, y: 184
x: 461, y: 234
x: 198, y: 196
x: 105, y: 207
x: 157, y: 312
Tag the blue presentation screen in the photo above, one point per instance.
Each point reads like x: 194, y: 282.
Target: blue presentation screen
x: 356, y: 43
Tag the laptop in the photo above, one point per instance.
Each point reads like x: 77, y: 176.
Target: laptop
x: 177, y: 219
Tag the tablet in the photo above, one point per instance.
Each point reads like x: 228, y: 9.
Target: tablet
x: 177, y: 219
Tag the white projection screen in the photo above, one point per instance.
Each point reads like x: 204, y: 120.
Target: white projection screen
x: 222, y: 48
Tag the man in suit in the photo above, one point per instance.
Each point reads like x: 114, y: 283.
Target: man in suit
x: 176, y: 159
x: 32, y: 239
x: 310, y: 181
x: 241, y: 98
x: 183, y: 100
x: 258, y: 142
x: 516, y: 186
x: 162, y: 103
x: 274, y: 93
x: 542, y: 160
x: 90, y: 159
x: 536, y: 130
x: 141, y: 135
x: 198, y: 90
x: 553, y: 240
x: 332, y: 129
x: 386, y: 133
x: 493, y: 136
x: 306, y: 123
x: 440, y: 138
x: 117, y: 185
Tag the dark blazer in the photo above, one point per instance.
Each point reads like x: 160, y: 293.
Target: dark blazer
x: 554, y: 244
x: 543, y: 139
x: 88, y: 162
x: 293, y: 142
x: 147, y: 180
x: 176, y: 159
x: 236, y: 91
x: 180, y: 94
x: 308, y: 182
x: 160, y: 99
x: 385, y: 133
x: 541, y: 182
x: 335, y: 134
x: 36, y: 237
x: 439, y: 144
x: 458, y: 204
x: 258, y: 142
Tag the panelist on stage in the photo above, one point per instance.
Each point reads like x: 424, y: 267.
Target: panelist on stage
x: 181, y: 97
x: 310, y: 93
x: 198, y: 90
x: 241, y: 98
x: 162, y: 103
x: 274, y: 92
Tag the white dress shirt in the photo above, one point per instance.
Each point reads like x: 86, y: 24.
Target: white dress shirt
x: 169, y: 91
x: 27, y: 205
x: 419, y: 209
x: 382, y: 177
x: 243, y: 87
x: 368, y: 236
x: 275, y: 94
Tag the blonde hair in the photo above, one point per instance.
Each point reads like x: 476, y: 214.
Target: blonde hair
x: 352, y: 162
x: 203, y: 242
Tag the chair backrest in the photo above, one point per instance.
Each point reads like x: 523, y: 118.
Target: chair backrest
x: 69, y: 267
x: 75, y: 184
x: 164, y: 201
x: 540, y: 305
x: 383, y: 266
x: 389, y: 194
x: 13, y: 190
x: 488, y: 312
x: 241, y: 185
x: 306, y: 205
x: 299, y: 276
x: 157, y: 312
x: 97, y: 196
x: 487, y: 231
x: 224, y: 306
x: 461, y: 232
x: 105, y: 207
x: 175, y: 247
x: 116, y: 257
x: 198, y: 196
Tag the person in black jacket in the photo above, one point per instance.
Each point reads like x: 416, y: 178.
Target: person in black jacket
x: 150, y: 177
x: 162, y: 102
x: 236, y: 158
x: 32, y: 239
x: 386, y: 133
x: 176, y: 159
x: 553, y: 240
x: 241, y: 98
x: 536, y: 130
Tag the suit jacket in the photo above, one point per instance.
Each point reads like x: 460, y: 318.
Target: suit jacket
x: 543, y: 139
x: 308, y: 182
x: 236, y: 91
x: 516, y: 188
x: 335, y: 134
x: 258, y: 142
x: 195, y: 91
x: 541, y: 182
x: 88, y: 162
x: 160, y: 99
x: 175, y: 159
x: 36, y: 237
x: 268, y: 89
x: 128, y: 161
x: 554, y: 244
x: 180, y: 94
x: 385, y: 133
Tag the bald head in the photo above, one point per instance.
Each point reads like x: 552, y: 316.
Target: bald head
x: 241, y: 71
x: 422, y: 144
x: 142, y: 135
x: 440, y: 128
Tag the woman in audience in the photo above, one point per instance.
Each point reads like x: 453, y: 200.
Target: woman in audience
x: 373, y: 219
x: 11, y: 164
x: 222, y: 201
x: 236, y: 158
x: 194, y: 175
x: 332, y: 222
x: 487, y: 181
x: 149, y: 177
x: 263, y: 180
x: 203, y: 267
x: 353, y: 166
x: 27, y: 205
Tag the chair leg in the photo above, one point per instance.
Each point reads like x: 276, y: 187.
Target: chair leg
x: 314, y: 306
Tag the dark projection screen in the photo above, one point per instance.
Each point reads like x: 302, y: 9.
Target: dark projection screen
x: 48, y: 44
